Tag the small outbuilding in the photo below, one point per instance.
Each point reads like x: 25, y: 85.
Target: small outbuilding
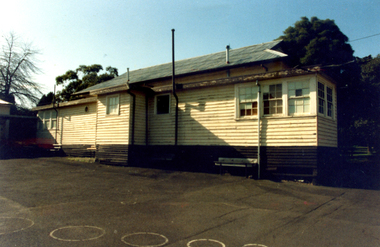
x: 5, y: 109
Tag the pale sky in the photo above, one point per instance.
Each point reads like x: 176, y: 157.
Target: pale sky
x: 137, y: 33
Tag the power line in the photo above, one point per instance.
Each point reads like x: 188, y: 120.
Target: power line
x: 364, y: 37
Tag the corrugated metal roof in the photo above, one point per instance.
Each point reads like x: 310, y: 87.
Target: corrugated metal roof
x: 240, y: 56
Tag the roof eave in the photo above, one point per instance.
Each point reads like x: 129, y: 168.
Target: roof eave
x: 64, y: 104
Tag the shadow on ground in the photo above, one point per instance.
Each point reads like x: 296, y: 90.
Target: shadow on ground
x: 12, y: 151
x: 356, y: 174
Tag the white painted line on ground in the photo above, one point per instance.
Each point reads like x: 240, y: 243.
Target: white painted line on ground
x: 166, y: 240
x: 205, y: 240
x: 5, y: 223
x: 257, y: 245
x: 102, y: 232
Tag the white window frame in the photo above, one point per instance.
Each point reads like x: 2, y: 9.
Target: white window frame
x: 40, y: 122
x: 266, y: 89
x: 46, y: 120
x: 53, y: 119
x: 326, y: 101
x: 156, y: 104
x: 108, y: 99
x: 238, y: 100
x: 305, y: 94
x: 321, y: 97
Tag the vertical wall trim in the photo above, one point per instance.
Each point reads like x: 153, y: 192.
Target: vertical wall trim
x: 62, y: 129
x: 146, y: 119
x: 258, y: 128
x: 96, y: 120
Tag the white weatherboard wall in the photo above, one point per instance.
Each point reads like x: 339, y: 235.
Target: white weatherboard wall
x: 113, y: 129
x: 207, y: 117
x: 77, y: 125
x: 140, y: 117
x: 328, y: 126
x: 289, y: 131
x: 161, y: 127
x: 327, y: 132
x: 5, y: 109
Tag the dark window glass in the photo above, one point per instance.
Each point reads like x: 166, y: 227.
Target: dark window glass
x: 163, y: 102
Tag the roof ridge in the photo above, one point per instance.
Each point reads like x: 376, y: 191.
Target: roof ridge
x: 209, y: 54
x: 211, y: 61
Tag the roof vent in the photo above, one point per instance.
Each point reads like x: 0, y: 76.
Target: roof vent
x: 227, y: 54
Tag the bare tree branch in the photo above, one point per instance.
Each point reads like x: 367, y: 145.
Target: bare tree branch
x: 17, y: 65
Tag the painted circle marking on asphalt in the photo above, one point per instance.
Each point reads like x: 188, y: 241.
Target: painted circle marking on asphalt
x: 14, y: 224
x: 72, y: 233
x: 258, y: 245
x: 205, y: 240
x: 144, y: 239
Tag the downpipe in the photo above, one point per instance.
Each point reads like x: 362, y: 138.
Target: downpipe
x: 174, y: 93
x: 258, y: 129
x: 133, y: 109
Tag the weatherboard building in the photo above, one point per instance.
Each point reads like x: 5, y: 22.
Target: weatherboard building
x: 236, y: 103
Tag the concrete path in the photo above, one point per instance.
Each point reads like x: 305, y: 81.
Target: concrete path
x: 58, y: 202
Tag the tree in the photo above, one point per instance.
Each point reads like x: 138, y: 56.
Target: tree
x: 315, y: 41
x: 320, y: 42
x: 18, y: 63
x: 83, y: 77
x: 366, y: 123
x: 46, y: 99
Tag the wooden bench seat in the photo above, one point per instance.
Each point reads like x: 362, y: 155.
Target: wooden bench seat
x: 236, y: 162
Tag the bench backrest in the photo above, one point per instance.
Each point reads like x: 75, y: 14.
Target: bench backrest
x: 237, y: 160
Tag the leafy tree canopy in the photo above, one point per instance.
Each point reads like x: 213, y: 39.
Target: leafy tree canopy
x: 359, y: 105
x: 316, y: 41
x: 46, y: 99
x: 83, y: 77
x: 320, y: 42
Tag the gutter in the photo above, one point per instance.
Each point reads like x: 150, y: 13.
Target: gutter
x: 68, y: 103
x: 237, y: 79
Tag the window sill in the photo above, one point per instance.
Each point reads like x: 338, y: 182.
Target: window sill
x: 328, y: 117
x: 113, y: 115
x: 276, y: 117
x: 245, y: 118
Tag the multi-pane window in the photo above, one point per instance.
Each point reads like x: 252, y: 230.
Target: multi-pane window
x: 273, y: 100
x: 325, y: 100
x: 113, y: 105
x: 39, y: 123
x: 53, y: 116
x: 163, y: 104
x: 48, y: 120
x: 321, y: 98
x: 248, y: 101
x: 329, y: 101
x: 299, y: 97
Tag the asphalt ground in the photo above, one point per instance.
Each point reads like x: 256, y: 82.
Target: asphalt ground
x: 58, y: 202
